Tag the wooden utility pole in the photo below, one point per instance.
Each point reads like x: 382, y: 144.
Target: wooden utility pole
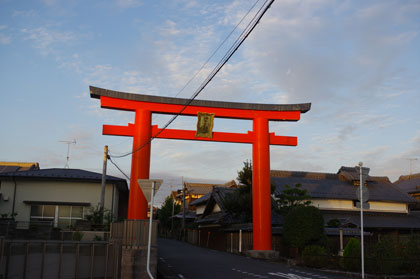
x: 183, y: 208
x: 103, y: 182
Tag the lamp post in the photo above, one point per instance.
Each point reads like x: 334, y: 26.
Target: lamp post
x: 363, y: 172
x: 149, y: 186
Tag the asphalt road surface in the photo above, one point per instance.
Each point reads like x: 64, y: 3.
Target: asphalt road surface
x: 181, y: 260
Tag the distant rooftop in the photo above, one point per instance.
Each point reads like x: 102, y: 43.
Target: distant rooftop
x: 66, y: 174
x: 18, y: 166
x: 339, y: 185
x: 409, y: 183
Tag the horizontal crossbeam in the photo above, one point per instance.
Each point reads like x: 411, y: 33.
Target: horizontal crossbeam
x: 190, y: 135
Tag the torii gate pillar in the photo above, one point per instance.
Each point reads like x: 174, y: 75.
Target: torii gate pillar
x: 142, y: 132
x: 261, y: 194
x: 140, y: 163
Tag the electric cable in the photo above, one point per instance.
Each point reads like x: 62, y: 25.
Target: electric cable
x: 110, y: 159
x: 215, y: 51
x: 247, y: 31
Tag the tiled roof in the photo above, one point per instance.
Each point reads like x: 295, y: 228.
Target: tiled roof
x: 338, y: 186
x: 202, y: 200
x: 204, y: 188
x: 409, y: 183
x: 6, y: 167
x: 66, y: 174
x: 198, y: 190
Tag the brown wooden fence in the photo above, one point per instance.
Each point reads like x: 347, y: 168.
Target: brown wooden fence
x: 133, y: 233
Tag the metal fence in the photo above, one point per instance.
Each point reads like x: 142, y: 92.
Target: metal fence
x: 59, y: 259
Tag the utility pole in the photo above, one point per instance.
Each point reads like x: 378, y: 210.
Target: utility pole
x: 102, y: 204
x: 183, y: 209
x: 363, y: 198
x: 173, y: 211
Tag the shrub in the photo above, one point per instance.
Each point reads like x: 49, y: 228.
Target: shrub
x: 351, y: 255
x: 77, y: 236
x: 303, y: 226
x: 411, y: 255
x: 315, y: 256
x: 387, y: 257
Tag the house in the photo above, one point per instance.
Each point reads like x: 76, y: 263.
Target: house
x: 410, y: 184
x: 333, y: 193
x: 59, y: 195
x: 336, y: 196
x: 194, y: 191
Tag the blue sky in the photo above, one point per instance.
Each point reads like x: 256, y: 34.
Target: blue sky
x: 357, y: 62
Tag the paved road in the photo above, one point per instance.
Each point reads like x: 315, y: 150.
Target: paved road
x: 181, y: 260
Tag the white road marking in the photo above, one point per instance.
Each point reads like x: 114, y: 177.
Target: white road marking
x: 288, y: 275
x: 249, y: 273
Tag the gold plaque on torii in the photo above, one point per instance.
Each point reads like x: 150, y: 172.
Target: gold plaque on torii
x: 205, y: 125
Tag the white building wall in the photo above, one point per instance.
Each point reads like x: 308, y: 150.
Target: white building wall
x: 52, y: 191
x: 348, y: 205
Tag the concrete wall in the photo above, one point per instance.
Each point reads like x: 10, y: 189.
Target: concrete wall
x: 53, y: 191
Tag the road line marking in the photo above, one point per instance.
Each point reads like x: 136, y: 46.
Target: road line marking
x: 180, y: 276
x: 288, y: 275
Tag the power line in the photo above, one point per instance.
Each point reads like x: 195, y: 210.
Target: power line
x: 110, y: 159
x: 215, y: 51
x: 238, y: 42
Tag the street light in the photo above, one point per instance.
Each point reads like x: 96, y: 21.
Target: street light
x: 363, y: 175
x: 149, y: 187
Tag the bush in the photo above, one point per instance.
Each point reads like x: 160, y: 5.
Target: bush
x: 411, y: 255
x: 351, y: 255
x: 303, y: 226
x: 77, y: 236
x: 315, y: 256
x: 386, y: 256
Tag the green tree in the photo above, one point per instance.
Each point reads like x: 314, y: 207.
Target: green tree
x: 239, y: 203
x: 164, y: 213
x: 303, y: 226
x: 245, y: 174
x: 290, y: 198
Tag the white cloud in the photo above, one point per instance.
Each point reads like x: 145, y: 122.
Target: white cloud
x: 47, y: 40
x: 4, y: 39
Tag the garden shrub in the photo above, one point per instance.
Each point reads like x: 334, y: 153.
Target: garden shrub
x: 387, y: 257
x: 303, y: 226
x: 351, y: 255
x: 411, y: 255
x: 315, y: 256
x: 77, y: 236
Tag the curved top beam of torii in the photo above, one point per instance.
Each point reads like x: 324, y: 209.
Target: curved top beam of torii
x: 243, y: 110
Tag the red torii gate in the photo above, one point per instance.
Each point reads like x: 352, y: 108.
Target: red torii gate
x: 142, y: 131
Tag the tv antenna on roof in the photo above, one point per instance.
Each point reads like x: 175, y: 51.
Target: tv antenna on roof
x: 411, y: 164
x: 68, y: 142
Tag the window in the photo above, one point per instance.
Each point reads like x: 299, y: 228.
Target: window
x: 42, y: 212
x: 63, y: 216
x: 68, y: 215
